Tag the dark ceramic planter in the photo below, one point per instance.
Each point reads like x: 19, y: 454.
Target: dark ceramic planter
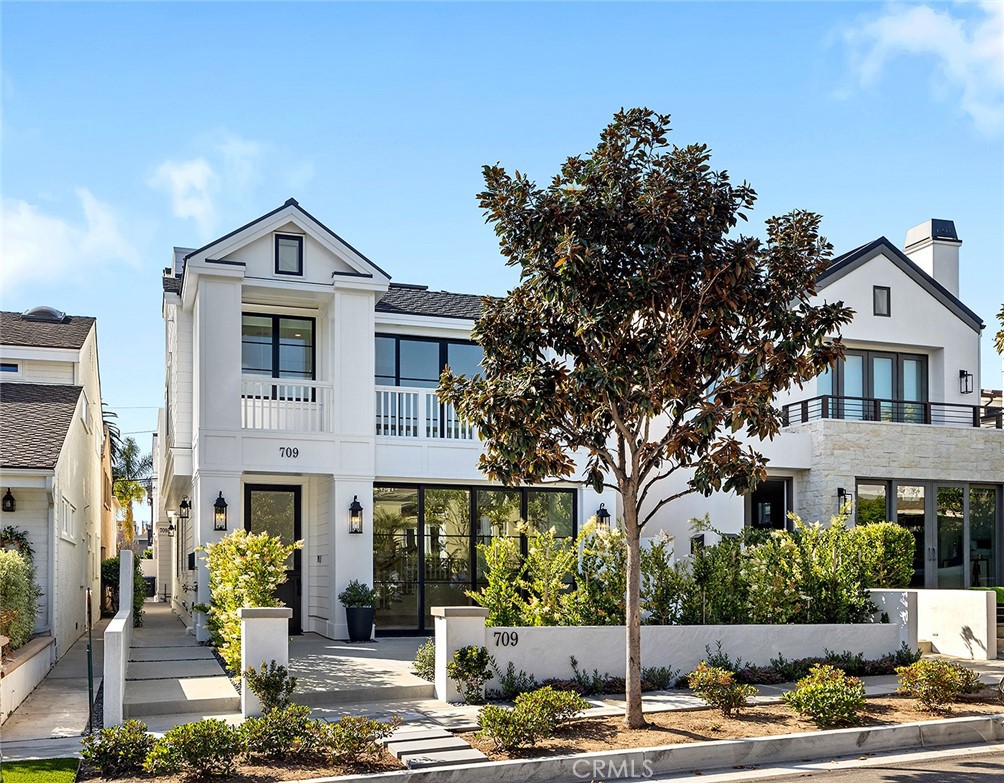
x: 360, y: 622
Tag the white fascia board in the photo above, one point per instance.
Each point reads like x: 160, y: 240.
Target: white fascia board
x: 25, y: 478
x: 194, y: 271
x: 36, y: 353
x: 424, y: 325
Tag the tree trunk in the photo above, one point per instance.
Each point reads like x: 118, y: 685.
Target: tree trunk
x: 633, y: 715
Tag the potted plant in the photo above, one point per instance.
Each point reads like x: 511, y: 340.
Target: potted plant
x: 359, y: 601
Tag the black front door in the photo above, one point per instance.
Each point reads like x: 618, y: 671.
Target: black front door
x: 275, y: 509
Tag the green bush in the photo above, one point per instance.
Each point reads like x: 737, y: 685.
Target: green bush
x: 244, y: 570
x: 936, y: 684
x: 828, y: 697
x: 535, y: 716
x: 198, y: 750
x: 356, y: 594
x: 667, y: 588
x: 18, y: 597
x: 719, y: 688
x: 272, y: 684
x: 771, y: 570
x: 660, y: 678
x: 110, y: 580
x: 424, y: 664
x: 281, y: 732
x: 601, y: 578
x: 470, y: 669
x: 886, y: 552
x: 353, y: 740
x: 504, y: 574
x: 118, y: 750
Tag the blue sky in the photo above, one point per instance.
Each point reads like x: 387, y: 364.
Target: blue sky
x: 128, y: 129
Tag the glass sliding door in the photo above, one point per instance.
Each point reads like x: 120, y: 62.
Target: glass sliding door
x: 446, y: 561
x: 396, y: 557
x: 911, y: 513
x: 950, y: 536
x: 882, y: 387
x: 983, y: 526
x: 499, y: 513
x: 854, y: 386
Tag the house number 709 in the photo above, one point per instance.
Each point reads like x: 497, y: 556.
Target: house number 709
x: 289, y: 451
x: 506, y: 638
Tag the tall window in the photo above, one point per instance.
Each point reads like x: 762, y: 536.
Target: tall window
x: 288, y: 255
x: 877, y: 386
x: 274, y: 346
x: 418, y: 362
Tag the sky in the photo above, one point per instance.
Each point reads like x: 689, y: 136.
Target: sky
x: 128, y: 129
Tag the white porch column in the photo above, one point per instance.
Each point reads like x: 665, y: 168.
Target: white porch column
x: 264, y: 638
x: 456, y: 627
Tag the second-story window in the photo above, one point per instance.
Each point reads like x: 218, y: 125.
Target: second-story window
x: 288, y: 255
x: 277, y: 346
x: 418, y: 362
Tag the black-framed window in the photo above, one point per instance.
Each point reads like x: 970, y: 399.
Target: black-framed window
x: 881, y: 300
x: 278, y: 346
x: 288, y: 254
x: 419, y: 361
x: 11, y: 367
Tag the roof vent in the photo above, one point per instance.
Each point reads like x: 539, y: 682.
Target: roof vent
x: 44, y: 313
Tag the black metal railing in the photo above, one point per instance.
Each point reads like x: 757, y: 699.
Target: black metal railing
x: 945, y: 414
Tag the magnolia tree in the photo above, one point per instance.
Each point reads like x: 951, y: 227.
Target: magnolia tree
x: 643, y: 336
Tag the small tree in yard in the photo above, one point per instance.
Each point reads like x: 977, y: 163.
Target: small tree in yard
x: 641, y: 334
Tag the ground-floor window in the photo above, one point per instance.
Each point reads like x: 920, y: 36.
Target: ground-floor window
x: 956, y: 526
x: 425, y: 541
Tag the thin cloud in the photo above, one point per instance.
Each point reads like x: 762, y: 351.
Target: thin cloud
x: 968, y: 52
x: 191, y: 186
x: 41, y: 247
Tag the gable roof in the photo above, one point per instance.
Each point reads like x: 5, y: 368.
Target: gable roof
x: 419, y: 300
x: 70, y: 333
x: 289, y: 203
x: 848, y: 262
x: 34, y: 420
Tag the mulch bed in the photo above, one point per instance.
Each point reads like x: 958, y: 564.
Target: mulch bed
x: 668, y: 728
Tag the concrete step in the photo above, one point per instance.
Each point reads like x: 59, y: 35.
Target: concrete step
x: 321, y: 698
x: 925, y: 647
x: 442, y: 758
x: 181, y: 695
x: 436, y: 747
x: 172, y: 670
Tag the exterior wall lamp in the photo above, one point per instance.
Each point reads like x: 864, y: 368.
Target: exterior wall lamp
x: 9, y: 504
x: 355, y: 515
x: 603, y: 516
x: 220, y: 514
x: 841, y: 499
x: 965, y: 382
x: 185, y: 507
x: 170, y: 529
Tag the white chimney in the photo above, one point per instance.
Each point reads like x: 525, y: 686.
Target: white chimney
x: 934, y: 247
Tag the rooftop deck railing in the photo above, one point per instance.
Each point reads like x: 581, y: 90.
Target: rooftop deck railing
x: 945, y: 414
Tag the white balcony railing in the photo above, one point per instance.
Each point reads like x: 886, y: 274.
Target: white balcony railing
x: 417, y: 413
x: 285, y: 405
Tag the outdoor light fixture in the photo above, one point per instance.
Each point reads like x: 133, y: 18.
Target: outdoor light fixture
x: 185, y: 508
x: 841, y: 499
x: 170, y: 529
x: 355, y: 515
x: 602, y: 515
x: 9, y: 504
x: 220, y: 514
x: 965, y: 382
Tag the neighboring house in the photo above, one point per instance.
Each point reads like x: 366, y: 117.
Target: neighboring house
x: 109, y: 503
x: 301, y: 381
x: 51, y: 441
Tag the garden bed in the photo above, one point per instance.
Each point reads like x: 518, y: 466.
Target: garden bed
x: 701, y: 725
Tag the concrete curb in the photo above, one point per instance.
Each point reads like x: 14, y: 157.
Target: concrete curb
x: 641, y: 763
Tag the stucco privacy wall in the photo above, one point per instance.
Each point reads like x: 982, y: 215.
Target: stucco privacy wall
x: 845, y: 450
x: 962, y: 623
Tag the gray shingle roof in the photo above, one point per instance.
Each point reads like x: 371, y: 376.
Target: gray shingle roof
x: 44, y: 334
x: 34, y: 420
x: 418, y: 300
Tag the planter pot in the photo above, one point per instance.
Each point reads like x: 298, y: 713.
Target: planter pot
x: 360, y: 622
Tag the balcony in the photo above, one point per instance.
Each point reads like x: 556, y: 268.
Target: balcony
x: 403, y: 412
x: 945, y: 414
x: 286, y: 406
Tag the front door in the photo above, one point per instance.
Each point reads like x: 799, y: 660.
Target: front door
x: 275, y: 509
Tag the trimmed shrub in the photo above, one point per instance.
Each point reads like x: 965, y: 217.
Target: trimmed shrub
x: 244, y: 570
x: 936, y: 684
x: 886, y: 552
x: 353, y: 740
x: 424, y: 664
x: 719, y: 688
x: 667, y: 588
x: 828, y: 697
x: 199, y: 750
x: 511, y: 682
x: 535, y: 716
x: 273, y: 685
x: 659, y: 678
x: 601, y: 578
x: 110, y: 580
x: 118, y: 750
x: 18, y: 597
x: 504, y: 574
x: 470, y: 669
x: 279, y: 733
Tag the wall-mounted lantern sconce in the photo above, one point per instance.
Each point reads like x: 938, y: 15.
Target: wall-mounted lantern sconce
x: 220, y: 514
x: 170, y: 529
x: 842, y: 498
x: 965, y: 382
x: 355, y: 516
x: 9, y: 504
x: 185, y: 508
x: 602, y: 515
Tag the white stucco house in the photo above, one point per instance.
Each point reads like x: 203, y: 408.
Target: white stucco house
x: 300, y: 381
x: 51, y: 441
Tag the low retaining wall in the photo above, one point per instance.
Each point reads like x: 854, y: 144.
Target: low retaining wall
x: 22, y: 671
x: 962, y: 623
x: 118, y: 638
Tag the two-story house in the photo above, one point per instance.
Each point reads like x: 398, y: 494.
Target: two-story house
x: 300, y: 400
x: 51, y: 442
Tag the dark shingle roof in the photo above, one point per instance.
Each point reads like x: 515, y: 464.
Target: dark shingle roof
x: 34, y: 420
x: 419, y: 300
x: 71, y: 333
x: 172, y: 285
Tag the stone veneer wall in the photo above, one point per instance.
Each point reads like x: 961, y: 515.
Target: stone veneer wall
x: 843, y: 451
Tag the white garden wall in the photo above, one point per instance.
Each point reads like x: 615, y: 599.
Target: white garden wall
x: 962, y: 623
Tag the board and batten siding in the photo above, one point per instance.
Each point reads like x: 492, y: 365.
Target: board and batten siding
x: 319, y: 547
x: 36, y: 371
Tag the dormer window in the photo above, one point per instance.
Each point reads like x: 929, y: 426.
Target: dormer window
x: 288, y: 255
